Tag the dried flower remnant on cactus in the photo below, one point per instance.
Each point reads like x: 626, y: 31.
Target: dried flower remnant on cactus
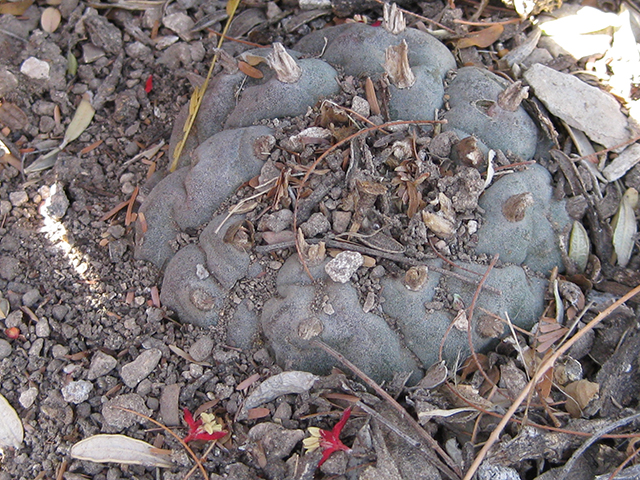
x: 328, y: 440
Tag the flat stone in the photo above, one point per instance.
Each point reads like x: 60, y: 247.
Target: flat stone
x: 629, y: 157
x: 101, y: 364
x: 582, y: 106
x: 43, y: 330
x: 57, y: 204
x: 18, y: 198
x: 134, y: 372
x: 28, y: 397
x: 9, y: 267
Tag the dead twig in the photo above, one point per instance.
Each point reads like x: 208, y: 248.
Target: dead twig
x: 450, y: 469
x: 548, y: 363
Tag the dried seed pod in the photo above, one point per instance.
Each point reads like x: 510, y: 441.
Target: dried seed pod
x: 396, y: 65
x: 393, y: 20
x: 285, y: 66
x: 468, y: 152
x: 490, y: 327
x: 516, y: 206
x: 313, y: 254
x: 240, y: 235
x: 416, y: 278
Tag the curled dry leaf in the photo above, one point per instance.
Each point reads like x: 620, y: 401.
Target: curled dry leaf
x: 579, y: 394
x: 50, y: 19
x: 80, y: 121
x: 119, y: 449
x: 482, y: 38
x: 281, y: 384
x: 579, y: 246
x: 625, y: 227
x: 11, y: 431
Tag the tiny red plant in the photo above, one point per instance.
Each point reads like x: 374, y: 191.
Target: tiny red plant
x: 328, y: 440
x: 207, y: 429
x: 148, y: 86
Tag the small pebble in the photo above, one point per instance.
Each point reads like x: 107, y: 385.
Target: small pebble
x: 31, y: 298
x: 28, y: 397
x: 18, y: 198
x: 134, y: 372
x: 5, y: 349
x: 101, y: 364
x: 341, y: 268
x: 201, y: 349
x: 42, y: 328
x: 59, y: 351
x: 77, y: 391
x: 35, y: 68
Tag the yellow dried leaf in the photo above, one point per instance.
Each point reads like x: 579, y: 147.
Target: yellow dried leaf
x: 80, y: 121
x: 50, y: 19
x: 579, y: 246
x: 579, y: 394
x: 119, y: 449
x: 625, y: 227
x: 482, y: 38
x: 196, y: 99
x: 11, y: 431
x: 15, y: 8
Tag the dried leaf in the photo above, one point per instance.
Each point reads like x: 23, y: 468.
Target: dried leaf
x: 12, y: 116
x: 11, y: 432
x: 249, y: 71
x: 579, y: 394
x: 579, y: 246
x: 625, y: 227
x: 281, y: 384
x: 4, y: 308
x: 15, y: 8
x: 80, y: 121
x: 260, y: 412
x: 198, y: 93
x: 232, y: 6
x: 247, y: 382
x: 119, y: 449
x: 50, y: 19
x: 482, y: 38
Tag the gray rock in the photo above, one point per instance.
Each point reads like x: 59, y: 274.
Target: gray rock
x: 116, y: 419
x: 5, y: 349
x: 101, y: 364
x: 201, y: 349
x: 316, y: 225
x: 103, y: 34
x: 9, y: 267
x: 77, y: 391
x: 341, y: 268
x: 535, y: 239
x: 277, y: 441
x: 31, y: 297
x: 582, y: 106
x: 28, y: 397
x: 472, y: 96
x: 134, y: 372
x: 43, y: 330
x: 18, y: 198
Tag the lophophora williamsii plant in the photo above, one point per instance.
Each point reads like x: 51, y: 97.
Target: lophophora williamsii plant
x: 243, y: 132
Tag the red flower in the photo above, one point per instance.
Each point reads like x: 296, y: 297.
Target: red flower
x: 207, y: 430
x: 329, y: 441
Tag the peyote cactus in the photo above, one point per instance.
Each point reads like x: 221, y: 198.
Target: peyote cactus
x: 389, y: 194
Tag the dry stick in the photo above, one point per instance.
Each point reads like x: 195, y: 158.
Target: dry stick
x: 594, y: 156
x: 596, y: 436
x: 493, y: 438
x: 202, y: 459
x: 174, y: 435
x: 452, y: 470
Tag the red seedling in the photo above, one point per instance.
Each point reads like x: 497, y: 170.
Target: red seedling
x: 207, y: 429
x: 328, y: 440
